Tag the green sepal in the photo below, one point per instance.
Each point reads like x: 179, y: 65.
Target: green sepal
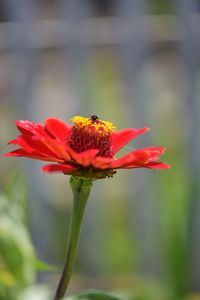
x: 81, y: 185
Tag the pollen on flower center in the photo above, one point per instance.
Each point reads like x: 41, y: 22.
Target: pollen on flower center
x: 91, y: 133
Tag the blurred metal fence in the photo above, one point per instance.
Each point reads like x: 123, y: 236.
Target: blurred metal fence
x: 131, y: 29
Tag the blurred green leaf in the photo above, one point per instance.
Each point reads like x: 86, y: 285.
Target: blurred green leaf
x: 94, y: 295
x: 17, y: 254
x: 43, y: 266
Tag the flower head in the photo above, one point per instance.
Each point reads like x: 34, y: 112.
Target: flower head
x: 87, y: 148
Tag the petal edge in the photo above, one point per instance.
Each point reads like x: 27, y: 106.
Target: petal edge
x: 123, y: 137
x: 57, y: 128
x: 58, y: 168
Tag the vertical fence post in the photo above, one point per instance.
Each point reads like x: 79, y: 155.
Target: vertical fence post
x: 189, y: 49
x: 22, y: 13
x: 74, y: 13
x: 133, y: 52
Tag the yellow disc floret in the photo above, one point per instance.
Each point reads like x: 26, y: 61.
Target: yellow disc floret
x: 98, y: 124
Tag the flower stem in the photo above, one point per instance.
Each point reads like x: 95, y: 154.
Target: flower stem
x: 81, y: 189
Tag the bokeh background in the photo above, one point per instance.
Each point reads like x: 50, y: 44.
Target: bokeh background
x: 135, y: 63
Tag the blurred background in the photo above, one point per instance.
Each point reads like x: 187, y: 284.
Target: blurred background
x: 135, y: 63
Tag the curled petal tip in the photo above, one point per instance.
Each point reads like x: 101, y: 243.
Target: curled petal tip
x: 12, y: 153
x: 161, y: 165
x: 19, y: 122
x: 167, y: 166
x: 164, y: 149
x: 5, y: 154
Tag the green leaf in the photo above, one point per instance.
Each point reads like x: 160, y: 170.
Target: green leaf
x: 16, y: 249
x: 43, y: 266
x: 94, y: 295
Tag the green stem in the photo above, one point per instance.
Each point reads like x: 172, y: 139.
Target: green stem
x: 81, y: 189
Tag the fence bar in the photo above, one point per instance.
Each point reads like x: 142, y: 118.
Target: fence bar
x: 75, y: 50
x: 189, y: 48
x: 22, y: 12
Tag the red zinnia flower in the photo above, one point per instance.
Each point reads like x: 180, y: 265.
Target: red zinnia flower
x: 85, y: 149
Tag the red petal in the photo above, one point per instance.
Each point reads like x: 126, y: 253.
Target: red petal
x: 57, y: 128
x: 84, y: 158
x: 27, y: 127
x: 29, y: 145
x: 57, y: 147
x: 138, y: 158
x: 33, y: 155
x: 153, y: 152
x: 13, y: 142
x: 37, y: 138
x: 121, y: 138
x: 55, y: 168
x: 122, y: 162
x: 17, y: 152
x: 100, y: 162
x: 157, y: 165
x: 33, y: 144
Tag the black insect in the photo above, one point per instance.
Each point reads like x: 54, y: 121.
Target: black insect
x: 94, y: 117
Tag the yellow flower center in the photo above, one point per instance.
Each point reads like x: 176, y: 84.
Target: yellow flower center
x: 98, y: 124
